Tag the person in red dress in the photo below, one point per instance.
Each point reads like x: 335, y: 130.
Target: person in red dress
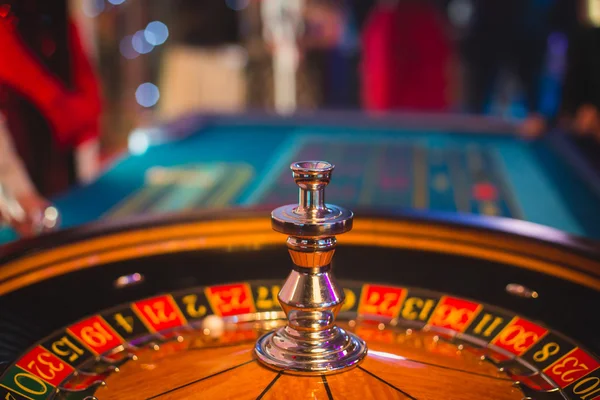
x: 406, y: 58
x: 50, y: 104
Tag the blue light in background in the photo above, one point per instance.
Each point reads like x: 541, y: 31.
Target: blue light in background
x: 140, y: 44
x: 126, y: 48
x: 92, y: 8
x: 147, y: 94
x: 156, y: 33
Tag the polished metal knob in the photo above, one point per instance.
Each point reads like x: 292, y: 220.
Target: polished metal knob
x: 311, y: 217
x: 311, y: 343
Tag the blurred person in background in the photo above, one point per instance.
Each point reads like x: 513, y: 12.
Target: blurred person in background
x: 581, y: 96
x: 580, y: 108
x: 408, y: 60
x: 511, y: 35
x: 203, y: 68
x: 318, y: 29
x: 49, y: 105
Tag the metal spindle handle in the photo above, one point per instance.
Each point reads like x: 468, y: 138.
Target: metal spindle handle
x: 311, y: 343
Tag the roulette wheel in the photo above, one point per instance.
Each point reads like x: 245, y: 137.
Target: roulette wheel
x: 208, y: 305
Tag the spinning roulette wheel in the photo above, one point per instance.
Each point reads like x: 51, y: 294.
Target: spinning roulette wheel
x: 199, y: 306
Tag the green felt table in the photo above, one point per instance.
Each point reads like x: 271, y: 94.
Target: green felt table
x: 452, y: 164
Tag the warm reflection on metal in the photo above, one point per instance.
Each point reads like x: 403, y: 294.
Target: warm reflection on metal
x: 128, y: 280
x: 311, y: 343
x: 518, y: 290
x: 51, y: 219
x: 311, y: 218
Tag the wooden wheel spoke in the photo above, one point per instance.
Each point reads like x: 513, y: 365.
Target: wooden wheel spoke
x: 200, y: 380
x: 387, y: 383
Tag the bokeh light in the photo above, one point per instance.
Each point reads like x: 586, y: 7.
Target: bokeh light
x: 140, y: 44
x: 558, y: 43
x: 126, y: 48
x: 116, y: 2
x: 156, y: 33
x: 594, y: 12
x: 460, y: 12
x: 138, y: 142
x: 92, y: 8
x: 147, y: 94
x: 237, y: 5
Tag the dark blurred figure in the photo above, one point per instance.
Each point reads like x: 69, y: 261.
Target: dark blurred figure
x: 505, y: 34
x: 581, y: 96
x: 580, y: 108
x: 49, y: 100
x: 512, y: 35
x: 205, y: 23
x: 407, y: 57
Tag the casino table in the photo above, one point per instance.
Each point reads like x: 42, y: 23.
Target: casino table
x: 436, y: 163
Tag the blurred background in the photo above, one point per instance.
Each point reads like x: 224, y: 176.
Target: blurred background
x: 83, y: 81
x: 160, y: 59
